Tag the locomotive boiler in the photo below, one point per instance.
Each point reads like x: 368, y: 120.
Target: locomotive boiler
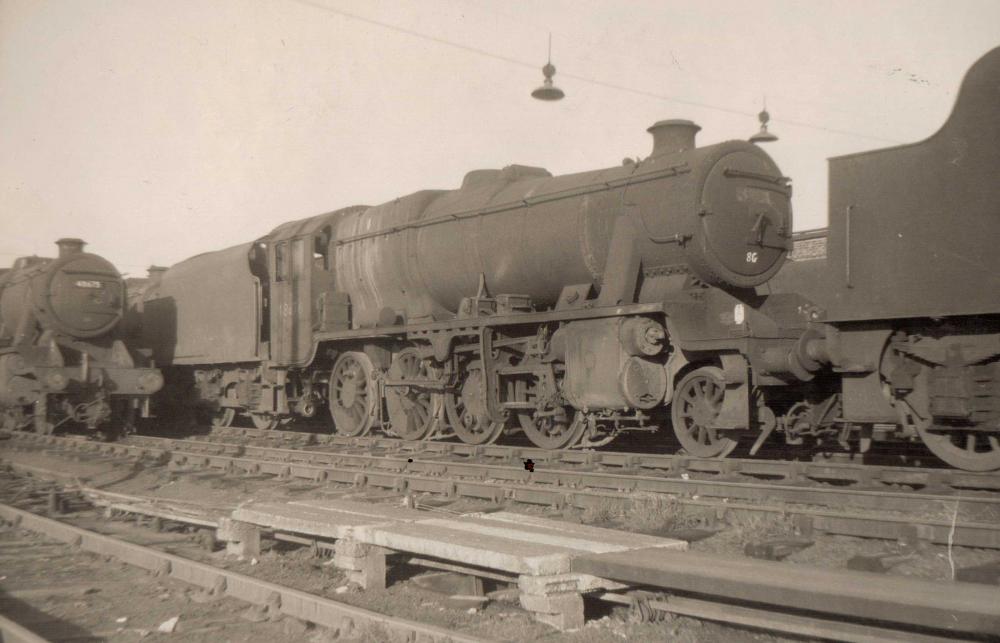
x: 905, y: 316
x: 720, y: 213
x: 60, y: 361
x: 570, y: 308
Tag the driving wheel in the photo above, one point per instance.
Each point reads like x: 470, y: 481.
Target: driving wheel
x: 353, y: 395
x: 467, y: 413
x: 558, y: 428
x: 411, y: 409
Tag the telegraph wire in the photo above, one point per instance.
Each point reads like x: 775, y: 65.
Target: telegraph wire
x: 585, y: 79
x: 417, y: 34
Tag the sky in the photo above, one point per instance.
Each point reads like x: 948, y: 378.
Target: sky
x: 159, y: 130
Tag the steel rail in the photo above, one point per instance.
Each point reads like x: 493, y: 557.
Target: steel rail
x: 598, y: 480
x: 832, y: 628
x: 673, y: 464
x: 602, y: 481
x: 952, y: 607
x: 483, y: 487
x: 222, y: 582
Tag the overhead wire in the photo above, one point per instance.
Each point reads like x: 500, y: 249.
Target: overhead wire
x: 585, y: 79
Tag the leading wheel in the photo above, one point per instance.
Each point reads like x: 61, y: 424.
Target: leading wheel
x: 467, y: 412
x: 411, y: 409
x: 557, y: 428
x: 353, y: 394
x: 697, y: 403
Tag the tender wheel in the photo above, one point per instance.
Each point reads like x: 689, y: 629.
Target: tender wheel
x: 40, y: 420
x: 467, y: 412
x: 264, y: 421
x: 697, y: 402
x: 352, y: 394
x: 559, y: 428
x: 125, y: 418
x: 411, y: 409
x: 13, y: 419
x: 43, y: 427
x: 968, y: 450
x: 963, y: 447
x: 225, y: 416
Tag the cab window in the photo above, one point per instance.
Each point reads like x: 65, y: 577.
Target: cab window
x: 321, y: 250
x: 281, y: 261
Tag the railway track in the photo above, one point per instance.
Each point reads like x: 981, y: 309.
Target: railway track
x: 34, y: 613
x: 716, y: 583
x: 789, y: 471
x: 963, y: 519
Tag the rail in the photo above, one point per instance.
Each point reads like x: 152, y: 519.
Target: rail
x: 499, y: 484
x: 222, y: 582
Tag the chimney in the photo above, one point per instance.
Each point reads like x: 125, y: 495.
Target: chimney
x: 156, y: 273
x: 672, y: 136
x: 68, y: 247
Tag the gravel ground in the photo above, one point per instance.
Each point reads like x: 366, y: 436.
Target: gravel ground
x: 64, y: 594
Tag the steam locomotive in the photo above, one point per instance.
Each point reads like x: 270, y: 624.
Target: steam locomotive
x: 568, y: 306
x: 61, y: 362
x: 905, y: 302
x: 574, y: 308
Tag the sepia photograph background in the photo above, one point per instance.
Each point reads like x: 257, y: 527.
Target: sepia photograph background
x: 159, y: 130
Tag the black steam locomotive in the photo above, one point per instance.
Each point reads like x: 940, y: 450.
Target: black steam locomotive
x: 570, y: 307
x: 61, y: 362
x: 576, y: 307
